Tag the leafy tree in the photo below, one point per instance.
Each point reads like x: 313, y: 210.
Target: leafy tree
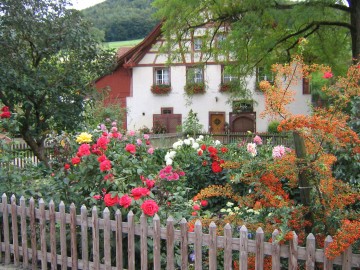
x: 48, y: 60
x: 268, y: 31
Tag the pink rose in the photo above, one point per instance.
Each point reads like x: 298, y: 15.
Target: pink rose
x: 84, y: 150
x: 146, y: 136
x: 150, y: 183
x: 204, y: 203
x: 327, y: 75
x: 125, y: 201
x: 131, y: 133
x: 111, y: 201
x: 102, y: 142
x: 130, y: 148
x: 97, y: 197
x: 196, y: 207
x: 150, y: 150
x: 150, y: 207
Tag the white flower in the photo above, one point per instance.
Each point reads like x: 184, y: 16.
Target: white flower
x: 222, y: 210
x: 229, y: 204
x: 278, y: 151
x: 251, y: 148
x: 195, y: 145
x: 178, y: 144
x: 236, y: 208
x: 217, y: 142
x: 187, y: 142
x: 170, y: 155
x: 169, y: 161
x: 201, y: 137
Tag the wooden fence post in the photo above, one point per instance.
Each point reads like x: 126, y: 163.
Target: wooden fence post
x: 63, y: 248
x: 198, y: 245
x: 143, y: 241
x: 347, y: 259
x: 184, y: 244
x: 212, y: 246
x: 107, y: 232
x: 74, y: 255
x: 293, y: 250
x: 157, y: 247
x: 170, y: 243
x: 33, y: 233
x: 243, y: 258
x: 24, y: 233
x: 84, y: 237
x: 227, y: 247
x: 6, y: 228
x: 259, y: 241
x: 131, y: 241
x: 15, y: 230
x: 95, y: 238
x: 118, y: 235
x: 328, y: 264
x: 310, y: 252
x: 42, y: 222
x: 275, y: 251
x: 53, y: 253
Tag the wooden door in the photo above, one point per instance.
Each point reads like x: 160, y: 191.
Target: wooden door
x: 217, y: 122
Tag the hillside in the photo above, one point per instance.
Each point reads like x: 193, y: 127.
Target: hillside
x: 122, y: 19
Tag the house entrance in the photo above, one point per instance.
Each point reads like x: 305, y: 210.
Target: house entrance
x: 242, y: 122
x: 217, y: 122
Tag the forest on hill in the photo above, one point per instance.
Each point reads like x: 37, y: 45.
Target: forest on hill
x: 120, y: 20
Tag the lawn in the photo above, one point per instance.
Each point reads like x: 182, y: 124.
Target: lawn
x: 119, y: 44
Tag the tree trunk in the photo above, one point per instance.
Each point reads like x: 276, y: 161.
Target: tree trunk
x: 304, y: 176
x: 355, y: 30
x: 38, y: 148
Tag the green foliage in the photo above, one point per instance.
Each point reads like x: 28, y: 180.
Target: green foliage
x: 48, y: 60
x: 273, y: 127
x: 191, y: 125
x: 118, y: 44
x: 159, y: 128
x: 122, y: 19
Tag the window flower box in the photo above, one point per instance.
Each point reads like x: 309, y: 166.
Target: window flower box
x: 228, y: 86
x: 194, y: 88
x: 160, y: 89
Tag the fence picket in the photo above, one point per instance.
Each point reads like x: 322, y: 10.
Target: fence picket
x: 212, y: 246
x: 69, y: 225
x: 259, y: 257
x: 33, y: 233
x: 74, y: 255
x: 143, y: 242
x: 310, y: 252
x: 24, y: 233
x: 119, y: 246
x: 52, y: 218
x: 156, y: 239
x: 63, y: 248
x: 198, y: 245
x: 95, y: 238
x: 184, y: 244
x: 131, y: 241
x: 84, y: 237
x: 293, y: 250
x: 15, y: 234
x: 328, y: 264
x: 227, y: 246
x: 275, y: 251
x: 107, y: 232
x: 170, y: 243
x: 6, y: 228
x: 42, y: 222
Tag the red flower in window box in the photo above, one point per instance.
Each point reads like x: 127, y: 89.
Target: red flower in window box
x: 160, y: 89
x: 194, y: 88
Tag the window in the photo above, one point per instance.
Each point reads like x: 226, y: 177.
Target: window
x: 264, y: 74
x: 197, y: 44
x: 195, y: 75
x: 162, y: 76
x: 166, y: 110
x: 220, y: 40
x: 227, y: 76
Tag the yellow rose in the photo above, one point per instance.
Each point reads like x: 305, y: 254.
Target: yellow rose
x: 83, y: 138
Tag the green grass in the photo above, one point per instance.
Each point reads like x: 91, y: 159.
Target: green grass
x: 119, y: 44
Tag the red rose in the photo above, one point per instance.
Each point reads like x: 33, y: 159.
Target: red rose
x: 67, y: 166
x: 125, y: 201
x: 203, y: 147
x: 5, y: 115
x: 212, y: 150
x: 130, y: 148
x: 204, y: 203
x: 111, y: 201
x: 75, y: 160
x: 216, y: 168
x: 204, y: 163
x: 194, y: 213
x: 139, y: 192
x: 102, y: 142
x: 150, y: 207
x: 5, y: 109
x: 109, y: 176
x: 105, y: 165
x: 101, y: 158
x: 196, y: 207
x: 224, y: 149
x: 200, y: 153
x: 150, y: 183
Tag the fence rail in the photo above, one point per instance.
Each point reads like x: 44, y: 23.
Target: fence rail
x: 39, y: 237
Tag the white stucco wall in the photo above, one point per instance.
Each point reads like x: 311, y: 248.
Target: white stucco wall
x: 143, y: 104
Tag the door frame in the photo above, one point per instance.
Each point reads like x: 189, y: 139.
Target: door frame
x: 216, y: 113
